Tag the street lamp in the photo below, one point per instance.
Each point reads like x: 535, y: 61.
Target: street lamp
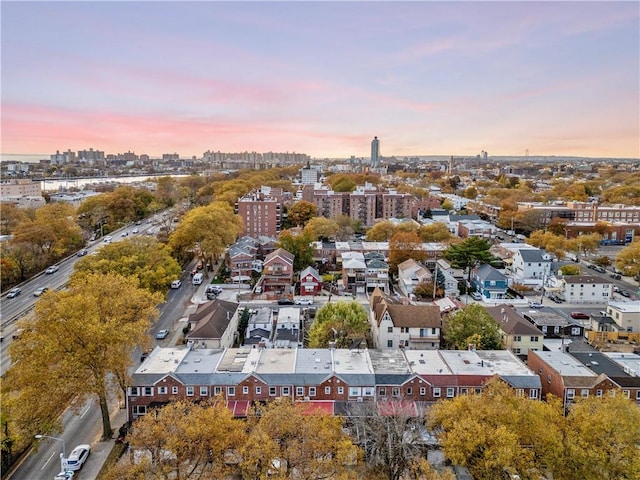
x: 63, y: 455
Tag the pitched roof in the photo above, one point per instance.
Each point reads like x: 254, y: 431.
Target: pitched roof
x: 310, y: 271
x: 211, y: 319
x: 585, y: 279
x: 511, y: 322
x: 533, y: 255
x: 404, y: 315
x: 487, y: 272
x: 282, y: 253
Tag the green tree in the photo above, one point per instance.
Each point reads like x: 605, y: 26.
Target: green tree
x: 285, y: 443
x: 11, y: 217
x: 469, y: 253
x: 472, y: 325
x: 342, y: 322
x: 321, y: 228
x: 602, y: 261
x: 628, y: 260
x: 206, y: 231
x: 82, y: 337
x: 300, y: 246
x: 584, y: 243
x: 301, y: 212
x: 570, y: 269
x: 142, y: 257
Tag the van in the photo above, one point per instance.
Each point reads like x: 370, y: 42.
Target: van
x: 197, y: 279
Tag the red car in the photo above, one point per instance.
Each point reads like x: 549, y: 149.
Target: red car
x: 580, y: 315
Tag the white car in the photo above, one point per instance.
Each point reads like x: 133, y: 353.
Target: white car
x: 40, y: 291
x: 108, y: 239
x: 124, y: 234
x: 476, y: 296
x: 176, y: 284
x: 535, y: 305
x: 162, y: 334
x: 304, y: 301
x: 65, y: 475
x: 14, y: 292
x: 51, y: 269
x: 135, y: 230
x: 78, y: 456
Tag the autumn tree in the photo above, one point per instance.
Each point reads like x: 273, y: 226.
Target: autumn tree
x: 11, y: 217
x: 390, y: 436
x: 570, y: 269
x: 472, y: 326
x: 584, y: 243
x: 404, y: 246
x: 321, y: 228
x: 300, y: 246
x: 185, y: 441
x: 602, y: 261
x: 291, y: 441
x: 143, y: 257
x: 435, y: 232
x: 497, y: 431
x: 628, y: 260
x: 301, y: 212
x: 381, y: 231
x: 206, y: 231
x: 82, y: 337
x: 342, y: 322
x: 469, y: 253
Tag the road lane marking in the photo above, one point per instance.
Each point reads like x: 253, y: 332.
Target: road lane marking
x: 48, y: 460
x: 87, y: 409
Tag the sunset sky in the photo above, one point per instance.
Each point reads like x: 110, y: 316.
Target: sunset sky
x: 322, y: 78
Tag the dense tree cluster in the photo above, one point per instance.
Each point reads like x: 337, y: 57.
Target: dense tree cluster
x: 342, y: 322
x: 472, y: 325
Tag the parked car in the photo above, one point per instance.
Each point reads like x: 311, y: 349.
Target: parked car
x: 476, y: 296
x: 14, y: 292
x: 615, y: 276
x: 580, y: 315
x: 124, y: 234
x: 51, y: 269
x: 65, y: 475
x: 108, y: 239
x: 162, y: 334
x: 176, y: 284
x: 599, y: 269
x: 135, y: 230
x: 83, y: 252
x: 535, y: 305
x: 616, y: 289
x: 78, y: 456
x: 304, y: 301
x: 624, y: 293
x: 285, y: 301
x: 40, y: 291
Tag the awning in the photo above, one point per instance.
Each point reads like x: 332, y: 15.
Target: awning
x: 316, y: 407
x: 239, y: 408
x: 393, y: 407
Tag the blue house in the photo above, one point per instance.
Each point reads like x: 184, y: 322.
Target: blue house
x: 489, y: 282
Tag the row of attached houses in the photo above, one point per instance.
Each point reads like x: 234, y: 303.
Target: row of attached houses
x: 334, y: 378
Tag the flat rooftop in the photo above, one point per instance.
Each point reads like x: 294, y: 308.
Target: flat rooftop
x: 427, y: 362
x: 629, y: 362
x: 626, y: 307
x: 565, y: 364
x: 163, y: 360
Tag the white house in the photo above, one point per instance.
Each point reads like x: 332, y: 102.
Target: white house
x: 530, y: 266
x: 411, y: 274
x: 626, y: 315
x: 585, y: 289
x: 395, y: 324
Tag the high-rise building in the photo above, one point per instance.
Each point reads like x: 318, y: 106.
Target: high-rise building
x: 375, y: 152
x: 261, y: 212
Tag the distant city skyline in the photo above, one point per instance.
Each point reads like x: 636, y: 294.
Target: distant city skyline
x: 322, y: 78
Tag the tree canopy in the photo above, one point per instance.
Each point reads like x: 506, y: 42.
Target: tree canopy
x: 301, y: 212
x: 143, y: 257
x: 82, y: 337
x: 300, y: 246
x: 321, y: 228
x: 628, y: 260
x: 206, y: 232
x: 472, y: 325
x: 343, y: 322
x: 403, y: 246
x: 469, y: 253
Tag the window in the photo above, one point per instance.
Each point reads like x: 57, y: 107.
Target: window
x: 570, y: 393
x: 245, y: 390
x: 519, y: 392
x: 162, y: 390
x: 204, y: 391
x: 389, y: 329
x: 599, y: 393
x: 464, y: 391
x: 174, y: 390
x: 190, y: 391
x: 285, y: 391
x: 217, y: 390
x: 272, y: 391
x: 312, y: 391
x: 450, y: 392
x: 139, y: 409
x: 395, y: 392
x: 637, y: 394
x: 612, y: 393
x: 258, y: 390
x: 148, y: 391
x: 327, y: 390
x: 409, y: 391
x: 134, y: 391
x: 534, y: 339
x: 533, y: 394
x: 389, y: 343
x: 355, y: 391
x: 626, y: 393
x: 575, y: 331
x: 300, y: 391
x: 478, y: 391
x: 436, y: 392
x: 517, y: 338
x: 423, y: 391
x: 584, y: 393
x: 549, y: 378
x: 340, y: 390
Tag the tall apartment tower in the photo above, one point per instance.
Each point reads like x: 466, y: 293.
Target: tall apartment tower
x: 261, y: 213
x: 375, y: 152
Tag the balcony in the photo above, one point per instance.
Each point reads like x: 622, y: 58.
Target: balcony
x: 424, y: 338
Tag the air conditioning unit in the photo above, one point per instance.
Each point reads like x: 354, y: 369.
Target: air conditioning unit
x: 360, y: 400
